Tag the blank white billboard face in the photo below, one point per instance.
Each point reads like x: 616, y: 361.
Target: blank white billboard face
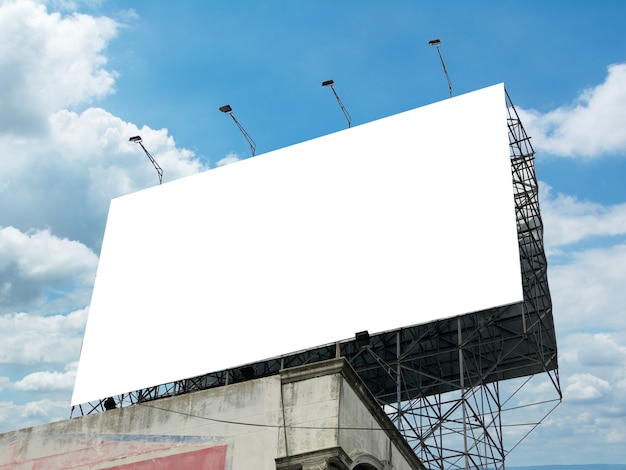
x: 393, y: 223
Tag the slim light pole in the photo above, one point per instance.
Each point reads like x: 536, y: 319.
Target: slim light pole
x: 227, y: 109
x: 437, y: 44
x: 331, y: 84
x: 137, y: 139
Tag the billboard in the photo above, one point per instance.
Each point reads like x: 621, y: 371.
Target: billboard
x: 363, y: 229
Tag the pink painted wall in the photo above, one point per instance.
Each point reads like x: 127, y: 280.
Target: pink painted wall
x: 116, y: 451
x: 213, y: 458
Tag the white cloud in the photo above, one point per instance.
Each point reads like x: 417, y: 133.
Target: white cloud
x: 585, y: 387
x: 588, y: 291
x: 592, y: 126
x: 599, y: 350
x: 13, y: 416
x: 40, y: 255
x: 45, y: 381
x: 48, y: 62
x: 36, y: 267
x: 228, y: 159
x: 569, y: 220
x: 586, y: 284
x: 30, y: 339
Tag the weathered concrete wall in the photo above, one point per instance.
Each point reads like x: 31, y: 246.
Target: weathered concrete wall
x: 332, y: 405
x: 331, y: 422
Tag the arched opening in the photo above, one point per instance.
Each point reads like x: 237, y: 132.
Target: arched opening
x: 364, y: 466
x: 366, y: 461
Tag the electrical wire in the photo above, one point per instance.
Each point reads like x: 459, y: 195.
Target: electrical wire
x: 262, y: 425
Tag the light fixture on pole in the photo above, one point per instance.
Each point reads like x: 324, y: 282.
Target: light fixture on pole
x: 362, y: 339
x: 137, y: 139
x: 227, y: 109
x: 331, y: 84
x: 437, y: 44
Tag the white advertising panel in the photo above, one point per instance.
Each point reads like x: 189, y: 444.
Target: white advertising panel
x: 397, y: 222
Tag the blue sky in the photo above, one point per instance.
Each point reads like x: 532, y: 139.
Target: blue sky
x: 77, y: 78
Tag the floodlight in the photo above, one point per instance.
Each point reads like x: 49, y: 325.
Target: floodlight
x: 362, y: 338
x: 159, y: 170
x: 109, y: 404
x: 227, y: 109
x: 247, y: 372
x: 437, y: 44
x: 331, y: 83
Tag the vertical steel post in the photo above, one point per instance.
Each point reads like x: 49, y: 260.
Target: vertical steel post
x: 462, y: 384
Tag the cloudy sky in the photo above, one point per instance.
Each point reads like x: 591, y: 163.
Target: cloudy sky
x: 78, y: 78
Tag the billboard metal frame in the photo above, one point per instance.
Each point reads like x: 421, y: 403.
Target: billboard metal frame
x: 445, y: 384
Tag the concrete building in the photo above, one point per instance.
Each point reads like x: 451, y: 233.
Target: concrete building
x: 313, y: 417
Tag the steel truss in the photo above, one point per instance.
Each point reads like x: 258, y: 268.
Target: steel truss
x: 457, y: 389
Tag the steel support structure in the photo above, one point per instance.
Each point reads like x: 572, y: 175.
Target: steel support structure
x: 461, y: 390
